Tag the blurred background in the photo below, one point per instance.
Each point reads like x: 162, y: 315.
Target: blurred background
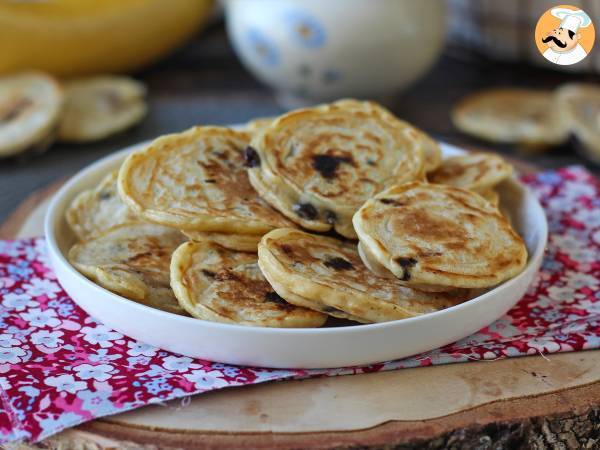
x: 208, y: 62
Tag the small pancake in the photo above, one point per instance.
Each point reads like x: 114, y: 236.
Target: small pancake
x: 97, y: 210
x: 196, y: 180
x: 474, y: 171
x: 30, y: 107
x: 511, y: 116
x: 231, y: 241
x: 579, y: 108
x: 100, y: 106
x: 432, y: 234
x: 133, y: 261
x: 220, y: 285
x: 327, y: 275
x: 318, y: 165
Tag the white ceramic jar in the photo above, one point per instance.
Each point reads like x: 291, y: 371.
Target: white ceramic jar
x: 319, y: 50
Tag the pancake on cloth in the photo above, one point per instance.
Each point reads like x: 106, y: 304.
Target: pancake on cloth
x: 100, y: 106
x: 231, y: 241
x: 579, y: 108
x: 432, y: 234
x: 30, y: 107
x: 196, y: 180
x: 511, y: 116
x: 97, y: 210
x: 220, y: 285
x: 474, y: 171
x: 318, y: 165
x: 326, y: 274
x: 132, y: 260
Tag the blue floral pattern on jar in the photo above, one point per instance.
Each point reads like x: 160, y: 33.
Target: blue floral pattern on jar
x: 263, y: 47
x: 305, y: 29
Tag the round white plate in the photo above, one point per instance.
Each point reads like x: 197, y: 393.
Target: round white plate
x: 282, y: 347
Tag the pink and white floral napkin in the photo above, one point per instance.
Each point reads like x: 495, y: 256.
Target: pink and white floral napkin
x: 59, y: 367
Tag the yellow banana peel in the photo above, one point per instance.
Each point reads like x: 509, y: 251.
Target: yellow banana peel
x: 80, y: 37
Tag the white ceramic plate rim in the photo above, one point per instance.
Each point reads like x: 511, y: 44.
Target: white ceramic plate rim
x: 54, y: 210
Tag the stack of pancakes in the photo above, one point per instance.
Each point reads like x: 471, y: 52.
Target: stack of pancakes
x: 339, y: 210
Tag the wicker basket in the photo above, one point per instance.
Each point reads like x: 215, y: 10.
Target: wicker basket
x: 504, y: 29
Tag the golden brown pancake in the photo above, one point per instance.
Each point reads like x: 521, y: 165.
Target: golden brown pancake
x: 327, y: 275
x: 474, y: 171
x: 579, y: 108
x: 132, y: 260
x: 95, y: 211
x: 220, y: 285
x: 196, y: 180
x: 510, y: 115
x: 30, y: 107
x: 432, y: 234
x: 100, y: 106
x: 318, y: 165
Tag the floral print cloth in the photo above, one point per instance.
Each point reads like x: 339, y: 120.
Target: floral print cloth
x: 59, y: 367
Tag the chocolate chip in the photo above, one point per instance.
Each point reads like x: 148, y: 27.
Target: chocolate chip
x: 391, y: 201
x: 371, y: 162
x: 406, y: 264
x: 251, y: 158
x: 327, y: 165
x: 305, y: 211
x: 208, y: 273
x: 210, y: 180
x: 338, y: 263
x: 330, y: 217
x: 105, y: 195
x: 274, y: 297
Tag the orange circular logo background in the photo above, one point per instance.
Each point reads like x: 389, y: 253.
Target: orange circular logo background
x: 548, y: 22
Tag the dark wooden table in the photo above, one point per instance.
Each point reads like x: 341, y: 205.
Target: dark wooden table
x: 204, y: 83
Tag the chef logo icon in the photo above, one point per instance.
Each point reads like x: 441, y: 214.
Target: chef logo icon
x: 564, y: 35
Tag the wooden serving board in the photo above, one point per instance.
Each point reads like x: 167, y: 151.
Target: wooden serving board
x: 531, y: 402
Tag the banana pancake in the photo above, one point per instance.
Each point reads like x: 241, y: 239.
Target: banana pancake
x: 220, y: 285
x: 97, y: 210
x: 132, y: 260
x: 511, y: 116
x: 473, y: 171
x: 327, y: 275
x: 318, y: 165
x: 100, y: 106
x: 579, y: 106
x: 196, y: 180
x: 231, y: 241
x: 432, y: 234
x: 30, y: 107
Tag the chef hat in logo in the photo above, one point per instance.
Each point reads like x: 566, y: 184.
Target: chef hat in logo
x: 571, y: 19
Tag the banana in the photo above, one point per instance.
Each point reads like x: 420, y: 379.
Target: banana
x: 30, y: 107
x: 100, y: 106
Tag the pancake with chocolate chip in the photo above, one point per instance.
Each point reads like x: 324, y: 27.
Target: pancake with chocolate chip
x: 196, y: 180
x: 326, y: 274
x: 432, y: 234
x: 318, y: 165
x: 220, y: 285
x: 231, y: 241
x: 132, y: 260
x: 474, y: 171
x: 97, y: 210
x: 511, y: 116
